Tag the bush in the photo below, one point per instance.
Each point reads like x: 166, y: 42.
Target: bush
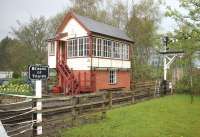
x: 17, y: 86
x: 183, y: 86
x: 196, y: 85
x: 16, y: 81
x: 19, y: 89
x: 16, y: 75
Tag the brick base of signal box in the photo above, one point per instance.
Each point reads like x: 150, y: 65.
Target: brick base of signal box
x: 100, y: 79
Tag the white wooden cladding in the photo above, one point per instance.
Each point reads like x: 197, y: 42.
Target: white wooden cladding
x: 85, y: 63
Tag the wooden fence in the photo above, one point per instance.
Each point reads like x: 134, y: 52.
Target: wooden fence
x: 17, y: 118
x: 63, y: 112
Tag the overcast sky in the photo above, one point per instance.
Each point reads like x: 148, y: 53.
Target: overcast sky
x: 13, y: 10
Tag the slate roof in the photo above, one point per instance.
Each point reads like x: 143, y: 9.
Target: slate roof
x: 101, y: 28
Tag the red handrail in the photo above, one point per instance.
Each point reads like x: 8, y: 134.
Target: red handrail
x: 70, y: 82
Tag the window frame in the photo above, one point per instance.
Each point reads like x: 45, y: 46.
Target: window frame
x: 112, y: 76
x: 125, y: 52
x: 94, y: 46
x: 86, y: 47
x: 110, y: 48
x: 116, y: 47
x: 105, y: 48
x: 52, y: 48
x: 80, y: 46
x: 101, y: 47
x: 74, y: 47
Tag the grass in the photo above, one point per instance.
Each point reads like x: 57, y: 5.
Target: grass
x: 171, y: 116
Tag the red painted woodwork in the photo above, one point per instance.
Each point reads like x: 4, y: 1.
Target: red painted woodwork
x: 69, y: 84
x: 56, y: 89
x: 72, y: 82
x: 86, y: 80
x: 100, y: 80
x: 66, y: 80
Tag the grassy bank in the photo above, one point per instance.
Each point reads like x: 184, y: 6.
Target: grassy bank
x: 171, y: 116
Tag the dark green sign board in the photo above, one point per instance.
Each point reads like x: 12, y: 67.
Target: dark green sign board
x: 38, y: 72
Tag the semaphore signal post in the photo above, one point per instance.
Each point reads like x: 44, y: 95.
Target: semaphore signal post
x: 168, y: 58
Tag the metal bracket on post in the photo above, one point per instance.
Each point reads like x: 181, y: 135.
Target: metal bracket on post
x: 167, y: 62
x: 171, y: 60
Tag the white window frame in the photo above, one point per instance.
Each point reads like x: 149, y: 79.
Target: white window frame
x: 121, y: 46
x: 109, y: 46
x: 99, y: 47
x: 80, y: 48
x: 74, y: 47
x: 94, y: 45
x: 112, y: 76
x: 105, y: 48
x: 86, y: 46
x: 69, y: 48
x: 126, y: 52
x: 52, y: 48
x: 117, y: 50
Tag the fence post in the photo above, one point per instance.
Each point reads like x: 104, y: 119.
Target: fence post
x: 74, y: 115
x: 133, y: 98
x: 37, y: 128
x: 103, y: 106
x: 34, y: 117
x: 149, y: 95
x: 110, y: 99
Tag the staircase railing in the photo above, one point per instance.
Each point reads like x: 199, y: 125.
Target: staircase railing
x: 71, y: 85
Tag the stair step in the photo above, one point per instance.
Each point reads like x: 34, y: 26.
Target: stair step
x: 69, y: 76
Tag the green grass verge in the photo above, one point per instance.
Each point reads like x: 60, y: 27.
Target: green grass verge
x: 171, y: 116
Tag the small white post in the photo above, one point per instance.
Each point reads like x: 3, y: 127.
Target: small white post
x: 165, y: 67
x: 2, y: 130
x: 38, y: 95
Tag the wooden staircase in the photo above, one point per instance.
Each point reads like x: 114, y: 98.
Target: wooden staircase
x: 70, y: 85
